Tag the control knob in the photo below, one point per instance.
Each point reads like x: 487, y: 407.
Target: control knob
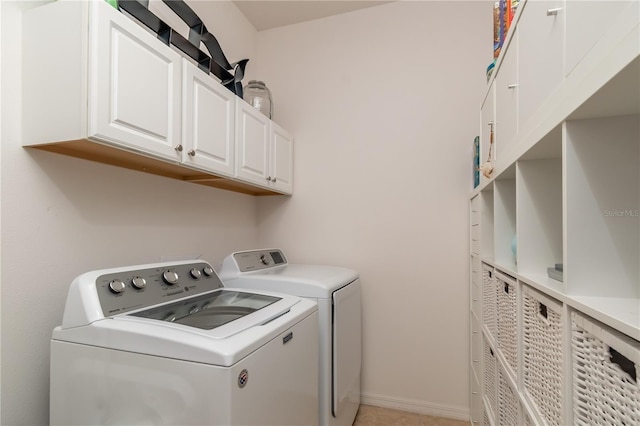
x: 117, y: 286
x: 264, y: 260
x: 195, y: 273
x: 170, y: 277
x: 139, y: 283
x: 208, y: 270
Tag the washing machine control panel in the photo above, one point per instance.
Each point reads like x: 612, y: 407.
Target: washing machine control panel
x: 257, y: 260
x: 129, y: 290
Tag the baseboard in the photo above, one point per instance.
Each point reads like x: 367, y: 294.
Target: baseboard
x: 420, y: 407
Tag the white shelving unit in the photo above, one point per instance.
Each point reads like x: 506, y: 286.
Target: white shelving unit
x: 564, y: 103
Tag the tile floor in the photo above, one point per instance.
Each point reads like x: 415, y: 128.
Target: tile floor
x: 378, y: 416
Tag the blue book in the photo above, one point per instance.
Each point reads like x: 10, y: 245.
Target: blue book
x: 476, y: 161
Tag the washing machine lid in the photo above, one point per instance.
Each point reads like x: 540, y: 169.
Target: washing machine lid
x: 268, y: 269
x: 210, y: 310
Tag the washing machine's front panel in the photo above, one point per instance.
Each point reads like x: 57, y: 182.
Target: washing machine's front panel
x: 347, y: 351
x: 276, y: 385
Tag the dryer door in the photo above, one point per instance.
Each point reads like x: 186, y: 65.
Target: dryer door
x: 347, y: 352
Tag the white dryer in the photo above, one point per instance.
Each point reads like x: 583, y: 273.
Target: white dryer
x: 337, y: 292
x: 167, y: 344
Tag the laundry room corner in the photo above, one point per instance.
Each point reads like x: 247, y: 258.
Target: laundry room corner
x: 382, y: 173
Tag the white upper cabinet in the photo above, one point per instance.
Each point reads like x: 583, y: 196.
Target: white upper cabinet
x: 264, y: 150
x: 587, y: 22
x: 540, y: 46
x: 209, y: 122
x: 99, y: 86
x: 506, y: 107
x: 252, y: 144
x: 134, y: 85
x: 487, y: 123
x: 281, y: 159
x: 106, y: 79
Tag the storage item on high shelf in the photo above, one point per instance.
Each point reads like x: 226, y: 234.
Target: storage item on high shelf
x: 490, y: 69
x: 258, y: 96
x: 229, y: 74
x: 487, y: 167
x: 503, y: 13
x: 476, y: 161
x: 497, y: 37
x: 556, y: 272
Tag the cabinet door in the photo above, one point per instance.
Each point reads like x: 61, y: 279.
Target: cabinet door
x: 252, y: 144
x: 587, y: 22
x: 506, y: 82
x: 134, y: 86
x: 540, y: 39
x: 281, y: 159
x: 209, y: 122
x: 487, y: 122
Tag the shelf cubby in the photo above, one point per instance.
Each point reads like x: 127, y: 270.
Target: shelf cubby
x: 603, y: 205
x: 602, y: 223
x: 486, y: 223
x: 505, y: 218
x: 539, y: 206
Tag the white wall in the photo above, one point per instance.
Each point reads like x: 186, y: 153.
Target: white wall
x: 62, y: 216
x: 383, y: 104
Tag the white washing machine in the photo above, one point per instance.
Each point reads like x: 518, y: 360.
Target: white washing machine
x: 167, y: 344
x: 337, y: 292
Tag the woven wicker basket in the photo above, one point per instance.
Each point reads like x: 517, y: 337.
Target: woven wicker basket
x: 509, y: 404
x: 507, y: 299
x: 490, y: 378
x: 606, y: 374
x: 526, y: 419
x: 542, y: 368
x: 489, y: 302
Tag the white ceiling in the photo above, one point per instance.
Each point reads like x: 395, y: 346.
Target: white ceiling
x: 266, y: 14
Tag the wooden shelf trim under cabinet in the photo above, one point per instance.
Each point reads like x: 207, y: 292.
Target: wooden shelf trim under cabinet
x: 93, y: 151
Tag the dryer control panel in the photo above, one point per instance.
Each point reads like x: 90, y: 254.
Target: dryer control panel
x: 128, y: 290
x: 256, y: 260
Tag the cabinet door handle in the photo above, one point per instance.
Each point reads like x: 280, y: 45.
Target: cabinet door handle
x: 192, y: 153
x: 274, y: 180
x: 178, y: 148
x: 268, y: 178
x: 553, y: 12
x: 512, y: 86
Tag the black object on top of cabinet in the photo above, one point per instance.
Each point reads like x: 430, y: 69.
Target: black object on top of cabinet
x: 217, y: 63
